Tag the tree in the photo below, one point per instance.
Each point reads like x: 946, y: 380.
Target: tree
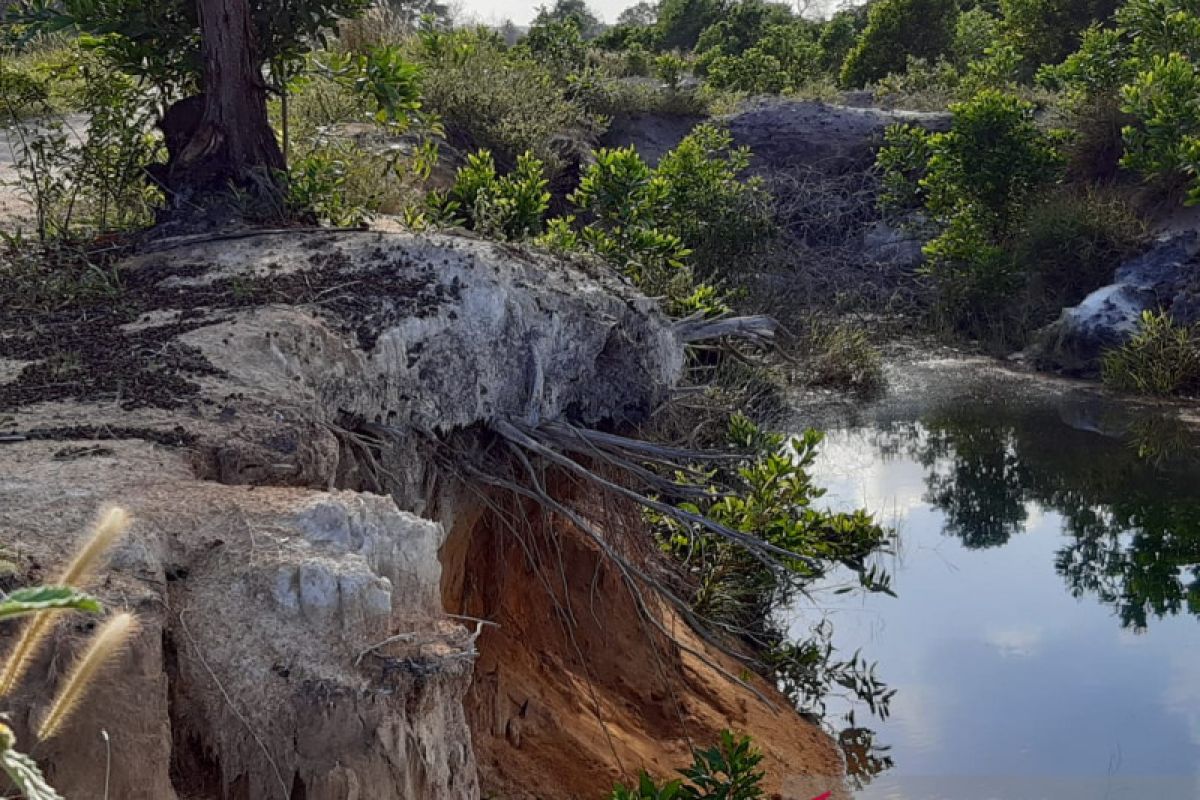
x: 897, y: 29
x: 411, y: 12
x: 681, y: 21
x: 216, y: 53
x: 642, y: 14
x: 570, y: 11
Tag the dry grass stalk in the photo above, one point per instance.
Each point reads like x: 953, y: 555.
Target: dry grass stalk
x: 112, y: 525
x: 115, y: 634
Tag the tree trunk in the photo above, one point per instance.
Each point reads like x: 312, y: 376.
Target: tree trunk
x: 233, y: 145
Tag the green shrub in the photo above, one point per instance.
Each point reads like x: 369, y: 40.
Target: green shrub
x: 728, y: 771
x: 844, y: 358
x: 754, y: 72
x: 780, y: 57
x: 680, y: 22
x: 922, y: 86
x: 975, y: 30
x: 558, y: 46
x: 1100, y: 65
x: 972, y: 186
x: 159, y: 40
x: 506, y: 103
x: 897, y: 29
x: 719, y: 214
x: 511, y: 207
x: 1068, y: 244
x: 669, y: 68
x: 775, y: 503
x: 1047, y: 31
x: 1160, y: 27
x: 1166, y: 140
x: 836, y: 38
x: 743, y: 25
x: 1162, y: 358
x: 86, y: 183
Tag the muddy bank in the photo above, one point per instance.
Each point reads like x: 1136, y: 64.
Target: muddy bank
x: 923, y: 375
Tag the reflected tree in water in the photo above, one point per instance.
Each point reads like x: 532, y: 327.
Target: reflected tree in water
x: 1144, y: 561
x: 1131, y: 512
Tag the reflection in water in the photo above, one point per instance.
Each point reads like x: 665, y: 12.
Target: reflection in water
x: 1022, y: 535
x: 1130, y: 506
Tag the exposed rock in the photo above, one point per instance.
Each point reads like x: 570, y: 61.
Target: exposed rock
x: 834, y: 139
x: 1166, y: 277
x: 295, y: 641
x: 781, y: 134
x: 255, y: 605
x: 652, y: 134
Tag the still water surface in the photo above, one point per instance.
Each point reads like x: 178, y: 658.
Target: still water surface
x: 1044, y: 641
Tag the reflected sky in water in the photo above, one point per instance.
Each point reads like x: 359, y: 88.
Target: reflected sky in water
x: 1044, y: 642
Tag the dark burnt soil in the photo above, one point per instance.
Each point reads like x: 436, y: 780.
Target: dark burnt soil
x: 86, y: 351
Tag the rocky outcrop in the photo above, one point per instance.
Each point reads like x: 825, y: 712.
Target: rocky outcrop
x: 1167, y: 277
x: 784, y: 134
x: 781, y: 134
x: 276, y: 411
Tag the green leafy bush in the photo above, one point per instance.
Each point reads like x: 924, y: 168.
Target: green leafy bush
x: 1162, y: 358
x: 720, y: 215
x: 743, y: 25
x: 974, y: 180
x: 728, y: 771
x: 897, y: 29
x: 160, y: 41
x: 782, y: 59
x: 510, y: 207
x: 669, y: 68
x: 776, y: 503
x: 921, y: 86
x: 85, y: 183
x: 1140, y: 77
x: 680, y: 22
x: 1047, y: 31
x: 558, y: 45
x: 837, y: 37
x: 975, y: 30
x: 1068, y: 244
x: 507, y: 103
x: 1166, y: 140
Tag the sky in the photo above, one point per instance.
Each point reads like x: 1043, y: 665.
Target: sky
x: 522, y: 11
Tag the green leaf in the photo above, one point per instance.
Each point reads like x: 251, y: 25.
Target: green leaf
x: 27, y: 777
x: 47, y: 598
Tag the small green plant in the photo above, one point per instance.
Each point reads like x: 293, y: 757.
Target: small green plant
x: 844, y: 358
x: 84, y: 183
x: 510, y: 207
x: 776, y: 502
x: 727, y: 771
x: 669, y: 68
x: 1047, y: 31
x: 1162, y: 358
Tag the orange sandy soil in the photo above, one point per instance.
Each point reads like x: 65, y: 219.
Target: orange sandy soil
x: 572, y: 695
